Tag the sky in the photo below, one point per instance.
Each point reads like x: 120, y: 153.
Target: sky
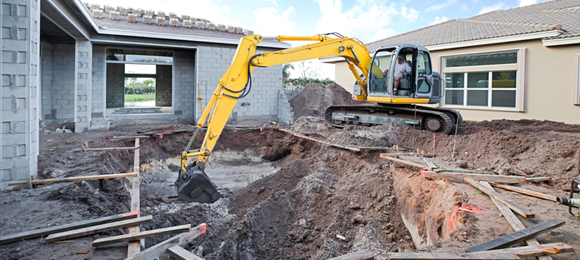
x: 367, y: 20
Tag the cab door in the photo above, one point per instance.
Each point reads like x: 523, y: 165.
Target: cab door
x: 424, y: 76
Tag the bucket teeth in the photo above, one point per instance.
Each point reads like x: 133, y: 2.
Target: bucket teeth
x: 194, y: 186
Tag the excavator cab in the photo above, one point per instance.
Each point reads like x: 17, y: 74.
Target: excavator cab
x: 420, y: 83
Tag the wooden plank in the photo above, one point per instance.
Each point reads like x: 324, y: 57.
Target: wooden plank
x: 538, y: 251
x: 463, y: 171
x: 140, y: 235
x: 430, y: 164
x: 405, y: 162
x: 453, y: 256
x: 135, y: 247
x: 526, y: 192
x: 398, y: 154
x: 516, y: 208
x: 97, y: 229
x: 161, y: 248
x: 538, y: 179
x: 353, y: 149
x: 459, y: 177
x: 130, y: 137
x: 79, y: 178
x: 378, y: 148
x: 61, y: 228
x: 181, y: 254
x: 359, y: 255
x: 111, y: 149
x: 518, y: 236
x: 513, y: 220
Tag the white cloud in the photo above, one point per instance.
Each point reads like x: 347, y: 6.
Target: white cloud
x: 439, y: 20
x: 440, y: 6
x: 410, y: 15
x: 492, y: 8
x: 365, y: 20
x: 527, y: 2
x: 464, y: 8
x: 208, y: 9
x: 270, y: 22
x: 382, y: 34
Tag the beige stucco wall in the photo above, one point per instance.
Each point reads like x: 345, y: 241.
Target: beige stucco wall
x: 548, y: 82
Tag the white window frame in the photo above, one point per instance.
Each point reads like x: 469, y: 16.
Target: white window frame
x: 577, y: 79
x: 519, y: 67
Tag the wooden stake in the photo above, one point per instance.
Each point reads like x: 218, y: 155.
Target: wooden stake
x: 87, y: 144
x: 135, y: 247
x: 71, y: 179
x: 84, y: 149
x: 500, y: 198
x: 518, y: 236
x: 526, y: 192
x: 61, y: 228
x: 513, y: 220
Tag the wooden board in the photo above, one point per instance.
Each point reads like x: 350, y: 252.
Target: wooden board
x: 110, y: 149
x: 181, y: 254
x: 539, y: 251
x: 71, y: 179
x: 161, y: 248
x: 526, y: 192
x: 96, y: 229
x: 140, y: 235
x: 359, y: 255
x: 405, y: 162
x: 463, y: 171
x: 518, y: 236
x: 61, y: 228
x: 353, y: 149
x: 459, y: 177
x: 516, y: 208
x: 454, y: 256
x: 513, y: 220
x: 538, y: 179
x: 135, y: 247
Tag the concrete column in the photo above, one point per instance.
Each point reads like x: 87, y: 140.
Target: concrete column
x: 83, y: 83
x: 19, y: 93
x: 98, y: 82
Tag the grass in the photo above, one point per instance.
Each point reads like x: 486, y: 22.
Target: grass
x: 138, y: 97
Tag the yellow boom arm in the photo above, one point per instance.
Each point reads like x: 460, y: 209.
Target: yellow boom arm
x: 232, y: 85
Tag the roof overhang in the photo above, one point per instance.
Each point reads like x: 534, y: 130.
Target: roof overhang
x: 512, y: 38
x: 561, y: 41
x: 65, y: 18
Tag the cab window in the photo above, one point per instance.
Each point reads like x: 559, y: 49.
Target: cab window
x: 423, y: 63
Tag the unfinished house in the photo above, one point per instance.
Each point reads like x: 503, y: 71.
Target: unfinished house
x: 65, y: 61
x: 520, y: 63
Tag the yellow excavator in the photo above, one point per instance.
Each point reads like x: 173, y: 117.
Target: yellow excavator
x: 396, y: 94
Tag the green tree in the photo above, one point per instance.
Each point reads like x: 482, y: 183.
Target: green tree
x: 286, y: 72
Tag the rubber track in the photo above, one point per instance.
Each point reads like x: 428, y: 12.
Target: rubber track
x: 421, y: 111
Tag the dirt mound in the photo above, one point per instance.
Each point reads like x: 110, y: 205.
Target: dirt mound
x: 315, y: 99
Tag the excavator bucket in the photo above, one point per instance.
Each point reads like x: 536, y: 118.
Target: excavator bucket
x: 194, y: 185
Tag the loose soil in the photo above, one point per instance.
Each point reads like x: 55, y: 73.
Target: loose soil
x: 292, y: 198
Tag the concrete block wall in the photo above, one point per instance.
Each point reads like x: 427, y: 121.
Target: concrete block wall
x: 58, y: 63
x: 83, y: 81
x: 163, y: 87
x: 115, y: 85
x: 261, y: 103
x: 184, y: 83
x: 20, y: 99
x: 285, y: 113
x: 98, y: 82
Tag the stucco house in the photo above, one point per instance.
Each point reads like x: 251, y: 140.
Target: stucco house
x: 520, y: 63
x: 63, y: 60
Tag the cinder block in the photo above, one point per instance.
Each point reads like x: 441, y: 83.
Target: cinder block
x: 187, y: 23
x: 160, y: 21
x: 185, y: 17
x: 130, y: 10
x: 210, y: 26
x: 109, y: 8
x: 239, y: 30
x: 132, y: 18
x: 161, y: 14
x: 149, y: 12
x: 248, y: 32
x: 6, y: 174
x: 6, y: 127
x: 138, y: 12
x: 147, y: 19
x: 231, y: 29
x: 8, y: 151
x: 122, y: 10
x: 95, y: 6
x: 172, y: 15
x: 221, y: 27
x: 174, y: 22
x: 200, y: 25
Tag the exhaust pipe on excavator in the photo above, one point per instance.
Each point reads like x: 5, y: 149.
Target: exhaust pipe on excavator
x: 194, y: 185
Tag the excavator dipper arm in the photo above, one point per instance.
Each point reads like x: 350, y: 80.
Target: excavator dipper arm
x: 192, y: 183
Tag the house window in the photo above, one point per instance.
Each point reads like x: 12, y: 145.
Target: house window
x: 482, y: 81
